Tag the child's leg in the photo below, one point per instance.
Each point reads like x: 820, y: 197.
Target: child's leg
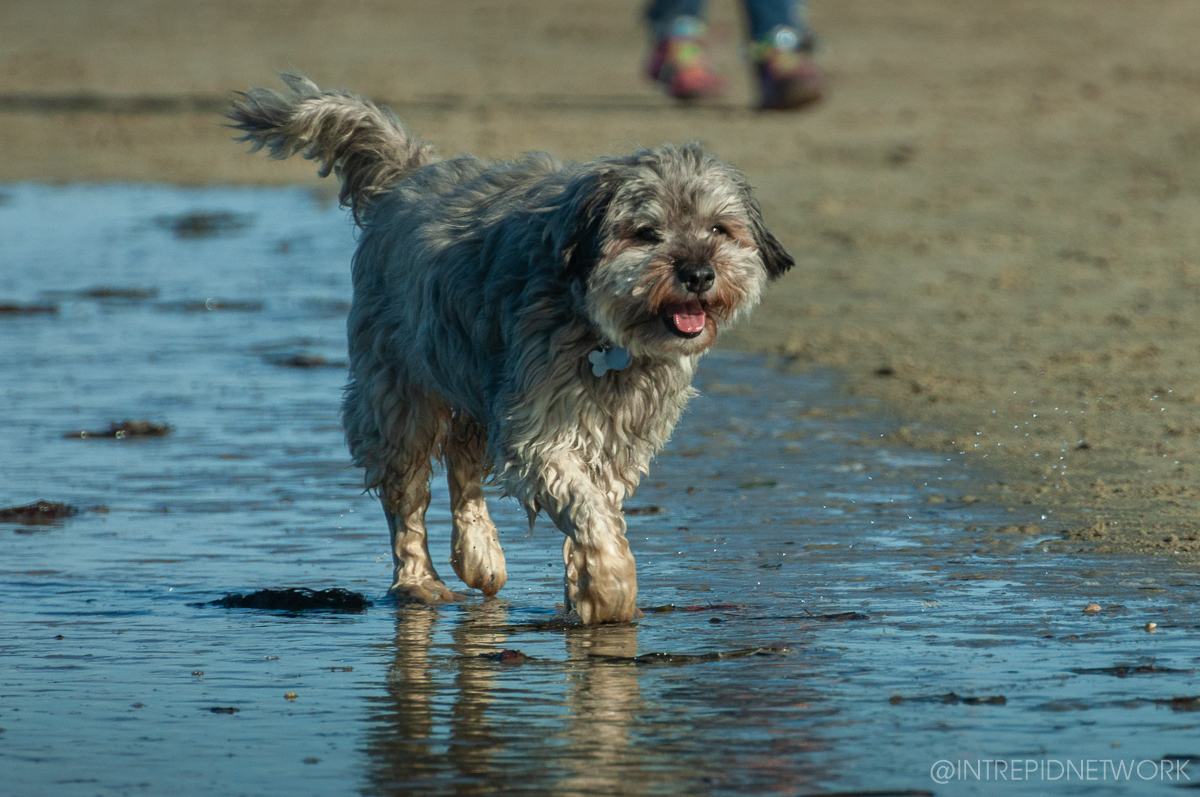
x: 782, y: 42
x: 765, y: 16
x: 677, y: 61
x: 661, y: 14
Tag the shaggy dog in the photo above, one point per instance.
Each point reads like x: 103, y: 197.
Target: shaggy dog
x: 533, y: 322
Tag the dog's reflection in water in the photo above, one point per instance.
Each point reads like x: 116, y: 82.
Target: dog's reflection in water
x: 605, y: 700
x: 455, y: 719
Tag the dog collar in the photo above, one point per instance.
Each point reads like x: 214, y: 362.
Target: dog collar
x: 615, y: 358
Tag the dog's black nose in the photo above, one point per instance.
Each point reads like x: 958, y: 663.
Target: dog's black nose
x: 697, y: 278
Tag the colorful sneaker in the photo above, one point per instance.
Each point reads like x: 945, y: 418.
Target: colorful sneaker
x: 787, y: 76
x: 679, y: 65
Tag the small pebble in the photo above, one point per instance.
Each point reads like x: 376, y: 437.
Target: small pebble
x: 1091, y: 608
x: 1151, y: 627
x: 197, y: 672
x: 290, y: 696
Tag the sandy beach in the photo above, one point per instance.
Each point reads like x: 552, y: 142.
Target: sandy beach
x: 995, y: 214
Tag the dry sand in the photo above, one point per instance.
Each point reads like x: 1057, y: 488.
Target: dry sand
x: 994, y: 215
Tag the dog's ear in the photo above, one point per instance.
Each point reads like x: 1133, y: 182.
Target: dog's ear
x: 774, y: 257
x: 584, y: 207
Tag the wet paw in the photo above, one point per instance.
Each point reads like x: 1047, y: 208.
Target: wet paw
x: 601, y: 588
x: 479, y: 561
x: 489, y: 584
x: 432, y: 592
x: 594, y: 612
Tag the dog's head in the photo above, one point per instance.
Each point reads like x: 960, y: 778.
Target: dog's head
x: 669, y: 246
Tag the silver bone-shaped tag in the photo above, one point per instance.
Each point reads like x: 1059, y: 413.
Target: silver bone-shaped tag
x: 605, y: 360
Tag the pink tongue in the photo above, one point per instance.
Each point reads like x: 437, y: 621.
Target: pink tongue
x: 688, y: 318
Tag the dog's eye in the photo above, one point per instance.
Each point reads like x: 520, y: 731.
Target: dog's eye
x: 718, y: 229
x: 648, y: 234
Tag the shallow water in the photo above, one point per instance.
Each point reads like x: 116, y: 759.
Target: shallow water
x: 781, y: 526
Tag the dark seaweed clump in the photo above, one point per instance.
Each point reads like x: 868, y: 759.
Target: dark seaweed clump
x: 110, y: 292
x: 11, y: 308
x: 296, y: 599
x: 210, y: 305
x: 125, y: 430
x: 669, y: 659
x: 306, y: 361
x: 1125, y: 670
x: 506, y: 656
x: 42, y: 513
x: 204, y: 224
x: 951, y: 699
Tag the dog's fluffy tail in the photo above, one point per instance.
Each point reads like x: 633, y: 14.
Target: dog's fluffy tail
x: 367, y: 147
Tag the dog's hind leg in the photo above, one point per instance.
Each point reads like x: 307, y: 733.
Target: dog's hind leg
x: 475, y: 550
x: 405, y: 495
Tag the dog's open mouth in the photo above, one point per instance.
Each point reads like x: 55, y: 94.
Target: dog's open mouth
x: 684, y: 319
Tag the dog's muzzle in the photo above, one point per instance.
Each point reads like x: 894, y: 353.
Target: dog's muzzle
x: 687, y: 319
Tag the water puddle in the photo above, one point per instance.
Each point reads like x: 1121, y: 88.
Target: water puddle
x: 823, y: 613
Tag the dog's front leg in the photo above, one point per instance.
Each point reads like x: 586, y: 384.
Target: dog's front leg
x: 601, y: 577
x: 405, y: 499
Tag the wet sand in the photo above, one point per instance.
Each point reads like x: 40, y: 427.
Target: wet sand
x: 830, y: 613
x: 994, y: 214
